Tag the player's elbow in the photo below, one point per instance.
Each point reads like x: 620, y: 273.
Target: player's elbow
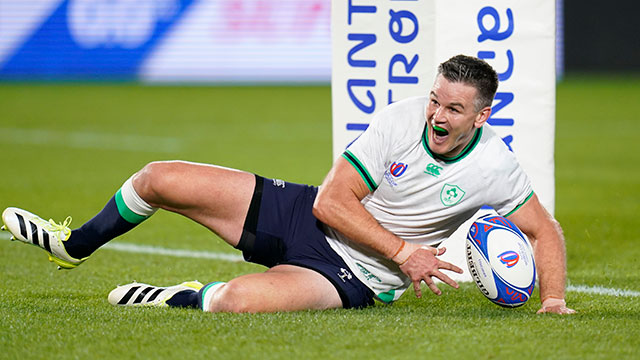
x: 549, y: 231
x: 320, y: 208
x: 552, y: 228
x: 556, y: 227
x: 325, y: 207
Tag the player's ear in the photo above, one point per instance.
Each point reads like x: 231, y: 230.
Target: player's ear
x: 482, y: 116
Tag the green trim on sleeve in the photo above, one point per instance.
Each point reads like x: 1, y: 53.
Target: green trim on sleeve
x: 125, y: 212
x: 519, y: 206
x: 361, y: 169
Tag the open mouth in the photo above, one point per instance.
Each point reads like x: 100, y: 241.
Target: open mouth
x: 439, y: 131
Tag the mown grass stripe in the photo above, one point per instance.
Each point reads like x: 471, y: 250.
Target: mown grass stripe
x: 91, y: 140
x: 156, y: 250
x: 601, y: 290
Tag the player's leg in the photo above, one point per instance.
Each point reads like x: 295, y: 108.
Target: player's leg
x: 281, y: 288
x: 213, y: 196
x: 279, y: 229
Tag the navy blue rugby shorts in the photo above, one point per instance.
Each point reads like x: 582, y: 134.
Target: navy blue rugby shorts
x: 281, y: 229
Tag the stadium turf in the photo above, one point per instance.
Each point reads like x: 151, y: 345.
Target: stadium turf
x: 67, y: 148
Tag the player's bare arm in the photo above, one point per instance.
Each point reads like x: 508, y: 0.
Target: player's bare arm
x: 547, y: 240
x: 338, y: 205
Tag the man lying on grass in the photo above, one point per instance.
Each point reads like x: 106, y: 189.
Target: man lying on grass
x: 368, y: 232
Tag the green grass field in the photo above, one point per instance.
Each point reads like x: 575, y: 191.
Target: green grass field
x: 66, y: 149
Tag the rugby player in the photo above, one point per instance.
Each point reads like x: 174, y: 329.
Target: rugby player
x: 371, y: 230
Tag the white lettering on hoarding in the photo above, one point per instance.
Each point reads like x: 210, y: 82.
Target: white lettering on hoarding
x: 403, y: 29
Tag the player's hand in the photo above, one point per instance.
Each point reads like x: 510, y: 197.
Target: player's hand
x: 423, y: 265
x: 555, y: 306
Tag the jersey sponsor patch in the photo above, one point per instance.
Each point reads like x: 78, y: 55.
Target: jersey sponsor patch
x: 367, y: 273
x: 433, y: 170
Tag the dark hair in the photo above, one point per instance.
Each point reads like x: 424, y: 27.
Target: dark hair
x: 475, y: 72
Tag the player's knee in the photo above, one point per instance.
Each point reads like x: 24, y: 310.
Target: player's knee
x: 233, y: 297
x: 154, y: 179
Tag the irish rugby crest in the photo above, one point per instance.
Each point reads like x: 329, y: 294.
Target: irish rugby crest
x: 451, y: 194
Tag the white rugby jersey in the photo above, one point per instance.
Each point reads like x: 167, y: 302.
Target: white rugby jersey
x: 419, y: 196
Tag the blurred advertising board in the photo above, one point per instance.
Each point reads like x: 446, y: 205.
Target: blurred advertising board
x: 166, y: 40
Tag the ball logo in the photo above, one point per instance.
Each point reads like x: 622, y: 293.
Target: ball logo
x: 398, y: 168
x: 509, y: 258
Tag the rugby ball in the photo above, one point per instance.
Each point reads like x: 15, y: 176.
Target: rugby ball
x: 500, y: 261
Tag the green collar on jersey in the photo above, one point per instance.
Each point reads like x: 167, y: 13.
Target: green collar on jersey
x: 466, y: 151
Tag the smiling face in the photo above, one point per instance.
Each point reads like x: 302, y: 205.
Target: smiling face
x: 452, y: 117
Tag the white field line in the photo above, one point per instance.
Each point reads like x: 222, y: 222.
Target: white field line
x: 194, y: 254
x: 600, y: 290
x: 90, y: 140
x: 155, y: 250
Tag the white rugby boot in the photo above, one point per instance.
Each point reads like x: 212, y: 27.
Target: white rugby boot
x: 139, y: 294
x: 48, y: 235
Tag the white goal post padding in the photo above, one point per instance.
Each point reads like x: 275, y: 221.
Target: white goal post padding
x: 384, y: 51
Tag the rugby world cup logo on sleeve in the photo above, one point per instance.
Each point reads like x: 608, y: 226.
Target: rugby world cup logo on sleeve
x: 395, y: 171
x: 398, y: 168
x: 509, y: 258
